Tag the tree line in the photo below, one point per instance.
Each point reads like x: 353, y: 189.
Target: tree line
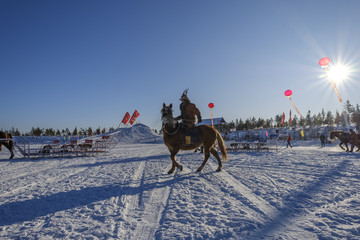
x: 64, y: 132
x: 349, y: 115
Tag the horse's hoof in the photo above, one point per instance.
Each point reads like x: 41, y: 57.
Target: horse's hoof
x: 180, y: 167
x: 199, y: 169
x: 218, y: 170
x: 171, y: 171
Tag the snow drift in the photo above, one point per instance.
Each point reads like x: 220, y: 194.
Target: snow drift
x: 138, y: 133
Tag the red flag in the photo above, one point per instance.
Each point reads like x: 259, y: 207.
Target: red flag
x: 126, y: 118
x: 134, y: 116
x: 283, y: 119
x: 290, y: 121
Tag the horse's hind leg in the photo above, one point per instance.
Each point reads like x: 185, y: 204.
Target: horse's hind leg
x: 12, y: 150
x: 216, y: 155
x: 207, y: 155
x: 207, y: 150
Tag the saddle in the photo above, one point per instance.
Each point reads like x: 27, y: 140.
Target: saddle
x: 191, y: 135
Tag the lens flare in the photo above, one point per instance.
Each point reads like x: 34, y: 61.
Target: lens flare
x: 338, y: 73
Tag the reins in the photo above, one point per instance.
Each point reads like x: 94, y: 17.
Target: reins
x: 178, y: 127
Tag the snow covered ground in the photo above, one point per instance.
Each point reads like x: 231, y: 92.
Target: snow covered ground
x: 305, y: 192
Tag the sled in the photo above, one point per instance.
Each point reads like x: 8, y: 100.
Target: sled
x: 248, y: 145
x: 91, y: 146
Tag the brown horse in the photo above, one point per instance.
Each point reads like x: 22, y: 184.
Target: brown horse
x: 174, y: 140
x: 9, y: 144
x: 344, y: 139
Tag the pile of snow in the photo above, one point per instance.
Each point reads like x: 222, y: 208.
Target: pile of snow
x: 138, y: 133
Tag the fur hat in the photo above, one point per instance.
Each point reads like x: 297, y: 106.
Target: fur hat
x: 184, y: 95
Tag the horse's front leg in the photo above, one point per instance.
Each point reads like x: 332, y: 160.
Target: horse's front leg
x: 340, y: 144
x: 174, y: 164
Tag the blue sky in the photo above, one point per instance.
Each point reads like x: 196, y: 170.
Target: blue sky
x: 86, y: 63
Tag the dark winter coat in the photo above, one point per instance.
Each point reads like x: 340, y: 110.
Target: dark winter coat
x: 189, y: 113
x: 353, y: 138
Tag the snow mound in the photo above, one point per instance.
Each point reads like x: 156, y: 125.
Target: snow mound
x: 138, y: 133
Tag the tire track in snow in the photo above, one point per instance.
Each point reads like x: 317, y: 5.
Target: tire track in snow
x: 128, y: 204
x: 255, y: 202
x: 142, y: 205
x: 153, y: 204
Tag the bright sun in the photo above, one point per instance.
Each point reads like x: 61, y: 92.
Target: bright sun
x: 338, y: 73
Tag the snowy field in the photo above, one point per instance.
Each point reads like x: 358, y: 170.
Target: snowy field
x: 306, y: 192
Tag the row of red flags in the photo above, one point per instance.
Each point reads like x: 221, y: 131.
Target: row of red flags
x: 283, y: 119
x: 132, y: 119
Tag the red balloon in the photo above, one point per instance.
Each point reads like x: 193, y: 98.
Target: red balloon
x: 288, y: 93
x: 211, y: 105
x: 324, y: 61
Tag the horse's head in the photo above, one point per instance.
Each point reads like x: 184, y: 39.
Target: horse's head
x: 167, y: 115
x: 338, y: 134
x: 332, y: 134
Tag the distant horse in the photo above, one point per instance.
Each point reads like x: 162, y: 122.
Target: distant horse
x: 174, y: 140
x: 343, y: 138
x: 9, y: 144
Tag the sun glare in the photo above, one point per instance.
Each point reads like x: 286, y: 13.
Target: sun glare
x: 338, y: 73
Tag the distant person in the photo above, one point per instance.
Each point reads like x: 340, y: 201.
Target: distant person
x: 289, y: 142
x: 322, y: 139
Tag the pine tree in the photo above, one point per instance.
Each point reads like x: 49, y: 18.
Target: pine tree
x: 323, y: 116
x: 90, y: 131
x: 356, y: 116
x: 308, y: 120
x: 278, y: 120
x: 338, y: 120
x: 329, y: 118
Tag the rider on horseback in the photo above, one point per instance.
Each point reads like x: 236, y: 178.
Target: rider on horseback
x: 353, y: 139
x: 189, y: 112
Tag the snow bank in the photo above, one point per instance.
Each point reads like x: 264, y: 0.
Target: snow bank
x: 138, y: 133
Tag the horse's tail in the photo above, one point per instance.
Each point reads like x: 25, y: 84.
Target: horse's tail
x: 222, y: 147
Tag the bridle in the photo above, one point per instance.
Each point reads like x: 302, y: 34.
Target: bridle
x: 167, y: 119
